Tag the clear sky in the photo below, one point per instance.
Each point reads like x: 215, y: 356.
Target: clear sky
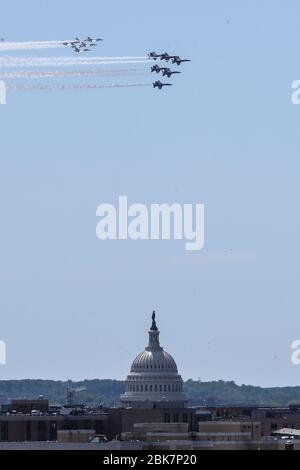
x: 226, y: 135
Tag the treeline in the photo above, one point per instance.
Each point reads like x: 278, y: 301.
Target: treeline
x: 107, y: 392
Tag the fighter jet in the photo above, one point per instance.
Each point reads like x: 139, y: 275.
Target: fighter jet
x: 154, y: 56
x: 93, y: 41
x: 70, y: 43
x: 156, y: 68
x: 167, y: 57
x: 160, y: 85
x: 177, y: 60
x: 76, y: 42
x: 80, y: 49
x: 168, y: 72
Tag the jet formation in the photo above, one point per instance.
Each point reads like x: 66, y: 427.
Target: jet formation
x: 82, y: 45
x: 165, y: 71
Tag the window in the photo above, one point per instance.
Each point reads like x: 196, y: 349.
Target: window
x: 42, y: 425
x: 53, y: 431
x: 4, y: 431
x: 167, y: 418
x: 175, y: 418
x: 99, y: 427
x: 28, y: 431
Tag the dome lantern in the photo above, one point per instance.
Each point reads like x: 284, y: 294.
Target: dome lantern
x: 153, y: 335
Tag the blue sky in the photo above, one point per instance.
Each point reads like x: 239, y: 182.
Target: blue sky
x: 226, y: 135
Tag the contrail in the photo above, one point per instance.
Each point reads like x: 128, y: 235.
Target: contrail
x: 70, y: 59
x: 88, y: 86
x: 29, y: 45
x: 77, y: 74
x: 13, y: 62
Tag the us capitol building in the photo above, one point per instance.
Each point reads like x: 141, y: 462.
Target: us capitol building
x: 153, y: 381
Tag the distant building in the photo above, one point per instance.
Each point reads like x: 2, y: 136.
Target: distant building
x: 153, y: 380
x: 232, y: 430
x: 23, y: 427
x: 28, y: 406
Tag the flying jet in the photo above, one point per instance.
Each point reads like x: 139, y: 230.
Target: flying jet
x: 167, y: 57
x: 91, y: 40
x: 2, y: 40
x: 73, y: 43
x: 160, y: 85
x: 154, y: 56
x: 156, y: 68
x: 177, y: 60
x: 80, y: 49
x: 168, y: 72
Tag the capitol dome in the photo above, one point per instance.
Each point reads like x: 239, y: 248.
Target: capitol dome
x: 154, y: 360
x: 153, y: 376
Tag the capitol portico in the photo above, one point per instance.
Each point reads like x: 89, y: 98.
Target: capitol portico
x: 153, y: 380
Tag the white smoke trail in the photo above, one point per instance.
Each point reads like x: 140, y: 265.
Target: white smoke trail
x: 87, y: 86
x: 70, y: 59
x: 77, y: 74
x: 29, y: 45
x: 14, y: 62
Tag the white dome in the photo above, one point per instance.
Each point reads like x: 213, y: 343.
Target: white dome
x: 153, y: 376
x: 158, y: 360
